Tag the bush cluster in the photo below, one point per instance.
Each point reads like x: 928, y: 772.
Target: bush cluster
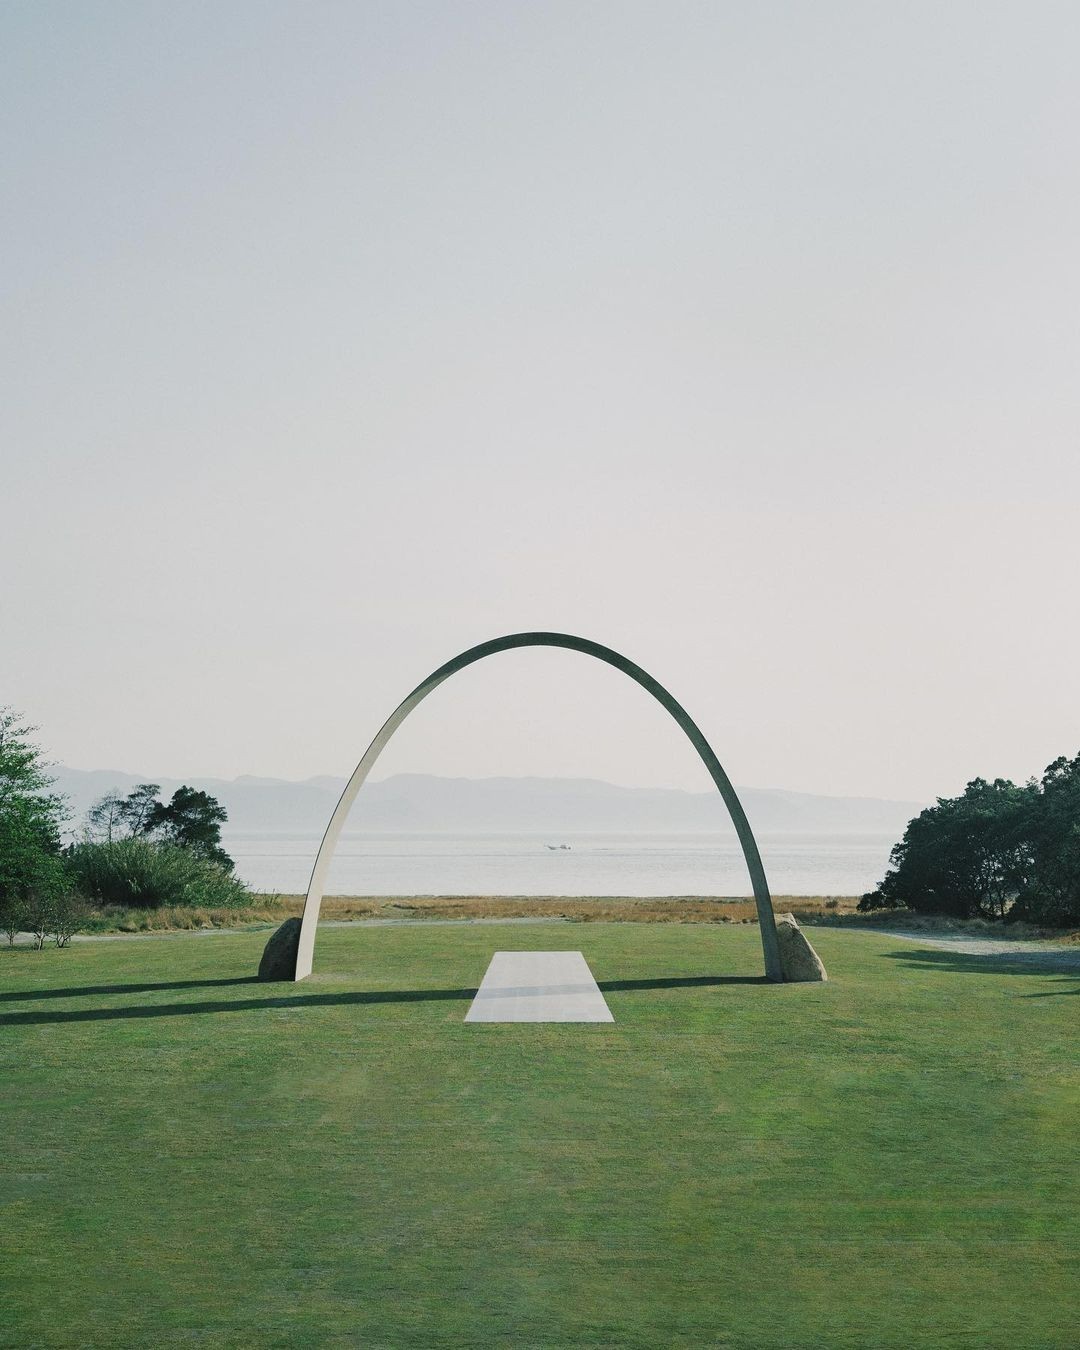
x: 44, y: 914
x: 141, y: 873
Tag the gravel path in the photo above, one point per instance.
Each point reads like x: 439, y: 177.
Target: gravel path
x: 1039, y: 955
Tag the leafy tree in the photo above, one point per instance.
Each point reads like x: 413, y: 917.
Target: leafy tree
x: 998, y: 851
x: 968, y: 856
x: 192, y: 820
x: 30, y: 861
x: 1052, y: 893
x: 22, y: 769
x: 30, y: 817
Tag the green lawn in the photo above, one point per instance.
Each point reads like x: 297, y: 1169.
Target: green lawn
x: 189, y: 1157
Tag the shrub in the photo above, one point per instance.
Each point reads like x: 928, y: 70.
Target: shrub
x: 38, y: 915
x: 55, y: 914
x: 142, y: 874
x: 68, y: 914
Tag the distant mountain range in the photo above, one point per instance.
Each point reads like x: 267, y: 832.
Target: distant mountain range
x: 425, y: 803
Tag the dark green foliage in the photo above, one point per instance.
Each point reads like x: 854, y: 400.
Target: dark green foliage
x: 30, y: 859
x: 30, y: 817
x: 998, y: 851
x: 143, y: 873
x: 192, y: 820
x: 1052, y: 893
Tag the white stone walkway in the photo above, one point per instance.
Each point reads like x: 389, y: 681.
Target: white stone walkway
x: 539, y: 987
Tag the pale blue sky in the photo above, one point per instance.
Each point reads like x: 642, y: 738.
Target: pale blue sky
x: 743, y: 338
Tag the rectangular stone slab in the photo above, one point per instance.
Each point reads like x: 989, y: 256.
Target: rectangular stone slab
x: 538, y: 987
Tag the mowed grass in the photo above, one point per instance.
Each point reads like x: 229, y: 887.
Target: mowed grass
x: 190, y: 1157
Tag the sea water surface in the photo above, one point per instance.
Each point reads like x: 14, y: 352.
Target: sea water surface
x: 537, y: 864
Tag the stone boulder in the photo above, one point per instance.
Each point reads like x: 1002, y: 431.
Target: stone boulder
x: 798, y: 959
x: 279, y: 956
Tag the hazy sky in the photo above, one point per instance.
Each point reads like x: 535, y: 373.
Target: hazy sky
x: 742, y: 338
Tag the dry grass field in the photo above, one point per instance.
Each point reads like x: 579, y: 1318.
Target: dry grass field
x: 586, y: 909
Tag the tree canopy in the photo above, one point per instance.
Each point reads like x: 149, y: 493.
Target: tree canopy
x: 31, y: 816
x: 998, y: 851
x: 193, y: 820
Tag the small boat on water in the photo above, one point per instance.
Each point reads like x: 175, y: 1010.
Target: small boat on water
x: 555, y: 848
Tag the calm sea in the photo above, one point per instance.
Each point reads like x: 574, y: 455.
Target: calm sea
x: 594, y: 864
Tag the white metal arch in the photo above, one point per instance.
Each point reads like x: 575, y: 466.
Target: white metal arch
x: 766, y: 922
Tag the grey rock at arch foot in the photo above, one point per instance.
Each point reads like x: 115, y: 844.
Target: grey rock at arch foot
x: 279, y: 955
x: 799, y: 960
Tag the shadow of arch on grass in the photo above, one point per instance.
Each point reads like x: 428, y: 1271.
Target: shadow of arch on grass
x: 298, y: 1001
x: 154, y: 987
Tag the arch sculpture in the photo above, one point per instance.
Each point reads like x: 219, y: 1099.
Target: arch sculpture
x: 767, y: 924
